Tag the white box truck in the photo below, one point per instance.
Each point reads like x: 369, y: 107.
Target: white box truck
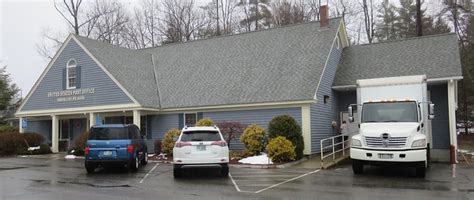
x: 393, y: 116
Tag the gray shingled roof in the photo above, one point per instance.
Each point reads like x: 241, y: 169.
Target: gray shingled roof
x: 133, y: 69
x: 275, y: 65
x: 436, y: 56
x: 280, y: 64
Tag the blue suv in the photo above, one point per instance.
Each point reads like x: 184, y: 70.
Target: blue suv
x: 115, y: 144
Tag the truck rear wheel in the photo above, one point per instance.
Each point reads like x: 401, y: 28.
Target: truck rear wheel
x: 357, y: 167
x: 420, y: 169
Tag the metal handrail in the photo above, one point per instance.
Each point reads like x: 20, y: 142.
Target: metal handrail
x: 333, y: 151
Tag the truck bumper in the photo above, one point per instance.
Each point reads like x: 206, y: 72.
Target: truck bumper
x: 407, y: 155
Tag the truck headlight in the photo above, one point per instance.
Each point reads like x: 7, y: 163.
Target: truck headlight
x: 419, y: 143
x: 355, y: 143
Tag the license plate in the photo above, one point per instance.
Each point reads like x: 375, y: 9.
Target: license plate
x: 201, y: 148
x: 385, y: 156
x: 107, y: 153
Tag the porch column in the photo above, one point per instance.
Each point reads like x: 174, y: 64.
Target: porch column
x: 136, y: 117
x: 92, y: 119
x: 55, y: 134
x: 452, y: 120
x: 306, y: 128
x: 20, y: 124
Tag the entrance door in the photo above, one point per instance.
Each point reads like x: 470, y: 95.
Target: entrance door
x: 352, y: 128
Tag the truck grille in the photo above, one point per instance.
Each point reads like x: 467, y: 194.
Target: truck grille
x: 392, y: 142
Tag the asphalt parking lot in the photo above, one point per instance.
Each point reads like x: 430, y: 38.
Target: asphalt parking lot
x: 57, y: 178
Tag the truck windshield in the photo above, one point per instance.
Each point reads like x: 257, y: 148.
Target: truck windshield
x: 109, y: 134
x: 389, y: 112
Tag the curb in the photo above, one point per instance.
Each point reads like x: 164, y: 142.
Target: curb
x: 272, y: 166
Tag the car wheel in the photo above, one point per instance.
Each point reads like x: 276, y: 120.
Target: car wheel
x: 145, y: 159
x: 420, y: 170
x: 357, y: 167
x: 177, y: 171
x: 225, y: 170
x: 133, y: 164
x: 90, y: 168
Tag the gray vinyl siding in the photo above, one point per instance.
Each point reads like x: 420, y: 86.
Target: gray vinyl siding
x: 92, y: 76
x: 440, y: 125
x: 261, y: 117
x: 322, y: 114
x: 42, y: 127
x: 158, y: 125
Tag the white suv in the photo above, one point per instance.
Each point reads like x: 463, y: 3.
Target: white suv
x: 200, y: 147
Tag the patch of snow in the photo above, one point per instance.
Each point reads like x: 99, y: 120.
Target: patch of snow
x: 151, y: 155
x: 70, y: 157
x: 33, y: 148
x: 257, y: 160
x: 72, y: 151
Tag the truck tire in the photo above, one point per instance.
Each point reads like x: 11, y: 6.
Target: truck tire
x: 177, y: 171
x: 420, y: 169
x: 357, y: 167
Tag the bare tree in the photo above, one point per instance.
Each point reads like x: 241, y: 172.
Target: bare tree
x: 285, y: 12
x: 369, y: 20
x: 181, y: 20
x: 110, y: 25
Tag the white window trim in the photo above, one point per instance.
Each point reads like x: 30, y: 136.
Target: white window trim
x: 184, y: 117
x: 67, y: 73
x: 338, y: 42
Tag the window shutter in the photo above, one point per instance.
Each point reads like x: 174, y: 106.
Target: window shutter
x: 180, y: 120
x: 78, y: 77
x: 199, y: 116
x: 64, y: 78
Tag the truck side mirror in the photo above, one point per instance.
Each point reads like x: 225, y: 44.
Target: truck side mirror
x: 431, y: 113
x: 351, y: 114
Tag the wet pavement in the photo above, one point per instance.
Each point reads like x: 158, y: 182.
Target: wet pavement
x: 52, y: 177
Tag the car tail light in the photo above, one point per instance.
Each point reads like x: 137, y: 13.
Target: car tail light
x: 87, y: 150
x: 219, y: 143
x: 181, y: 144
x: 130, y: 149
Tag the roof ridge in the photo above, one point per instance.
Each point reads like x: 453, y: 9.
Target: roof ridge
x: 405, y: 39
x: 238, y: 34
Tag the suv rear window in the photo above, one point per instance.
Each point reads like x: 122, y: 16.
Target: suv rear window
x: 109, y: 134
x: 191, y: 136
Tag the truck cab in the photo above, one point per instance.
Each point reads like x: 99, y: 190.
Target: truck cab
x: 392, y: 130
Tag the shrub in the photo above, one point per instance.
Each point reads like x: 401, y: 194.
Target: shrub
x: 205, y: 122
x: 8, y: 128
x: 81, y: 141
x: 168, y: 142
x: 11, y: 143
x: 158, y: 145
x: 252, y: 138
x: 281, y: 150
x: 33, y: 139
x: 44, y: 149
x: 286, y: 126
x: 230, y: 130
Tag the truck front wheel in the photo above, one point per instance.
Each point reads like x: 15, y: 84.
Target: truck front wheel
x: 420, y: 170
x: 357, y: 167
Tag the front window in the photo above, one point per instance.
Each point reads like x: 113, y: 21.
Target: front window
x: 389, y: 112
x: 190, y: 119
x: 71, y: 74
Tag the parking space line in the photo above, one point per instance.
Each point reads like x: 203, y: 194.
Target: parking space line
x: 149, y: 172
x: 289, y: 180
x: 235, y: 184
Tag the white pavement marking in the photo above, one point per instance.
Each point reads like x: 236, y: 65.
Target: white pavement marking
x: 235, y: 184
x: 292, y: 179
x: 147, y: 174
